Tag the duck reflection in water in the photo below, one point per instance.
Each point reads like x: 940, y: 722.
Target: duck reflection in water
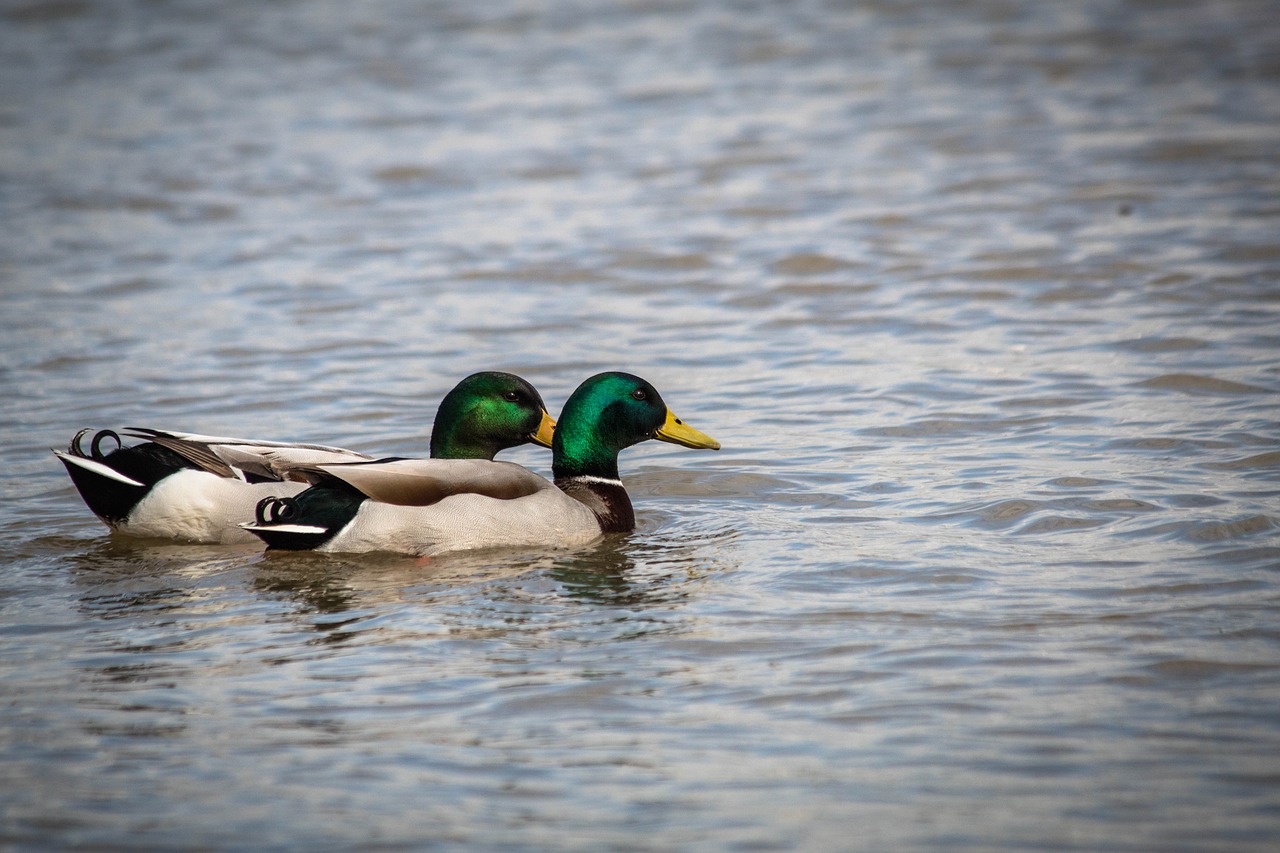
x: 469, y: 593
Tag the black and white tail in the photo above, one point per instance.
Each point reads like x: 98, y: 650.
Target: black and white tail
x: 307, y: 520
x: 113, y: 483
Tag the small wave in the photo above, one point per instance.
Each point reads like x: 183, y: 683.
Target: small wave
x: 1120, y: 505
x: 1076, y: 482
x: 934, y: 427
x: 1060, y: 524
x: 1270, y: 459
x: 1205, y: 532
x: 1158, y: 345
x: 1194, y: 669
x: 1192, y: 383
x: 809, y: 263
x: 1000, y: 514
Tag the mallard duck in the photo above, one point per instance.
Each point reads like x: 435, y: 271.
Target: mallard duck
x: 427, y: 507
x: 199, y: 488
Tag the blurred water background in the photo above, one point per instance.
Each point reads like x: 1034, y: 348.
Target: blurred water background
x: 981, y: 297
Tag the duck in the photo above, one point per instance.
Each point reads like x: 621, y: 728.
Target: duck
x: 199, y: 489
x: 427, y: 507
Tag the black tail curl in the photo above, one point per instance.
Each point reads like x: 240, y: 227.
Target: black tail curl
x: 95, y: 445
x: 274, y: 510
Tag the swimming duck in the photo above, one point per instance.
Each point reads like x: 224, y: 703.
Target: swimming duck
x: 198, y: 488
x: 427, y: 507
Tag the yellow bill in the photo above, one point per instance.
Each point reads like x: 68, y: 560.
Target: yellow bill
x: 545, y: 430
x: 677, y: 431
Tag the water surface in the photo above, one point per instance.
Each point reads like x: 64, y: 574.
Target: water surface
x: 981, y: 299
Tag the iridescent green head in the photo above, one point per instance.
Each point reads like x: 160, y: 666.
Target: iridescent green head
x: 609, y: 412
x: 488, y: 412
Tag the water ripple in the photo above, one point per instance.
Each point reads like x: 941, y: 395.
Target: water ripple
x: 981, y: 305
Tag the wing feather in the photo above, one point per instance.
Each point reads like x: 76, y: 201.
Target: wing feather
x: 235, y: 457
x: 422, y: 482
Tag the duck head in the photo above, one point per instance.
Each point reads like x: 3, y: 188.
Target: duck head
x: 608, y: 413
x: 489, y: 412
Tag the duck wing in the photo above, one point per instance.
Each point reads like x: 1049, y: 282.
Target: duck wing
x: 422, y: 482
x: 245, y: 459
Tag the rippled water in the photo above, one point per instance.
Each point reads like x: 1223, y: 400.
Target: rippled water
x: 982, y: 299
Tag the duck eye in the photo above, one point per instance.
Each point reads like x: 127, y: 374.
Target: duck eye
x: 639, y: 394
x: 510, y: 396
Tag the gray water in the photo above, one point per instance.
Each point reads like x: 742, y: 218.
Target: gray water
x: 982, y: 299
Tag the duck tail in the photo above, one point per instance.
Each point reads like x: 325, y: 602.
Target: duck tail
x: 306, y: 521
x: 113, y: 483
